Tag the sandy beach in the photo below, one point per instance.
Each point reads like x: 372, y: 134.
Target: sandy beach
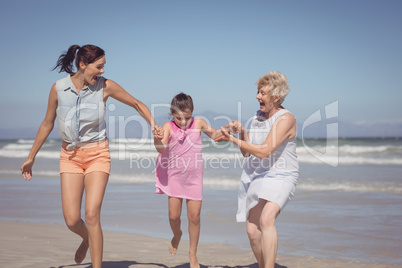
x: 45, y: 245
x: 348, y: 216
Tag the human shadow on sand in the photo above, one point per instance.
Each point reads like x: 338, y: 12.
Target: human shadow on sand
x: 254, y: 265
x: 127, y: 264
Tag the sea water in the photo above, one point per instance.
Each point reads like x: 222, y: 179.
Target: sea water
x: 348, y: 203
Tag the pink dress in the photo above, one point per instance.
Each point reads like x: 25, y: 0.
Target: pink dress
x: 179, y: 168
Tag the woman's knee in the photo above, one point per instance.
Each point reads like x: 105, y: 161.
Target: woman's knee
x: 92, y: 217
x: 269, y: 215
x: 267, y: 222
x: 72, y: 221
x: 253, y: 232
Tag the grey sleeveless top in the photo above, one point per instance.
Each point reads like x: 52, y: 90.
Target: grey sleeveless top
x: 80, y: 116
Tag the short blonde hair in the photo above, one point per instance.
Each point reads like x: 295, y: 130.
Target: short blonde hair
x: 277, y: 83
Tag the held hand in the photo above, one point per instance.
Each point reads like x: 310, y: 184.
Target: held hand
x: 235, y: 126
x: 217, y: 135
x: 158, y: 132
x: 26, y: 169
x: 223, y: 135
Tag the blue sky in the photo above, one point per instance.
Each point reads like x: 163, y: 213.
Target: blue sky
x: 345, y: 51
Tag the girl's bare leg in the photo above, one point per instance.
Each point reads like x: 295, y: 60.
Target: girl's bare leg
x: 193, y: 214
x: 95, y: 186
x: 175, y: 205
x: 72, y: 189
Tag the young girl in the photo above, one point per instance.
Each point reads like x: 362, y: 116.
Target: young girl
x: 179, y: 170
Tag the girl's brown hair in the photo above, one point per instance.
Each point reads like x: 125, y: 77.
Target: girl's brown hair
x: 181, y: 102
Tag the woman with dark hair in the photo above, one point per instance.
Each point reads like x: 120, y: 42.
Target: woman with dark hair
x: 78, y: 101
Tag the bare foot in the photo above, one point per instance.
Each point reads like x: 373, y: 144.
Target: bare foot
x: 174, y: 244
x: 81, y: 252
x: 194, y: 261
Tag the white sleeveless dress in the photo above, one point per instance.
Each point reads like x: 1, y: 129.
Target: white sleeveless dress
x: 274, y: 178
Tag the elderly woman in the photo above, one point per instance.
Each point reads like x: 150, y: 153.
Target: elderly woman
x: 270, y: 175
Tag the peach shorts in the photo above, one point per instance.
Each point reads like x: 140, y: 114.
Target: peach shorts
x: 93, y: 156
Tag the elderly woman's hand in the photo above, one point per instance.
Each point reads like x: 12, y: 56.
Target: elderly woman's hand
x: 235, y: 126
x: 222, y: 135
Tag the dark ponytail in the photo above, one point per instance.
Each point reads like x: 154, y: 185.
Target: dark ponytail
x: 65, y: 61
x: 86, y: 54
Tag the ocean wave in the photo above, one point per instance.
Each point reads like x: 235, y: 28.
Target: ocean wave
x: 346, y: 160
x: 24, y: 153
x: 232, y: 182
x: 116, y: 147
x: 221, y: 182
x: 25, y: 146
x: 25, y: 141
x: 132, y: 178
x: 354, y: 149
x: 123, y: 155
x: 347, y: 154
x: 35, y: 173
x: 127, y: 155
x: 349, y: 187
x: 303, y: 157
x: 350, y: 149
x: 150, y: 178
x: 350, y: 155
x: 16, y: 146
x: 131, y: 140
